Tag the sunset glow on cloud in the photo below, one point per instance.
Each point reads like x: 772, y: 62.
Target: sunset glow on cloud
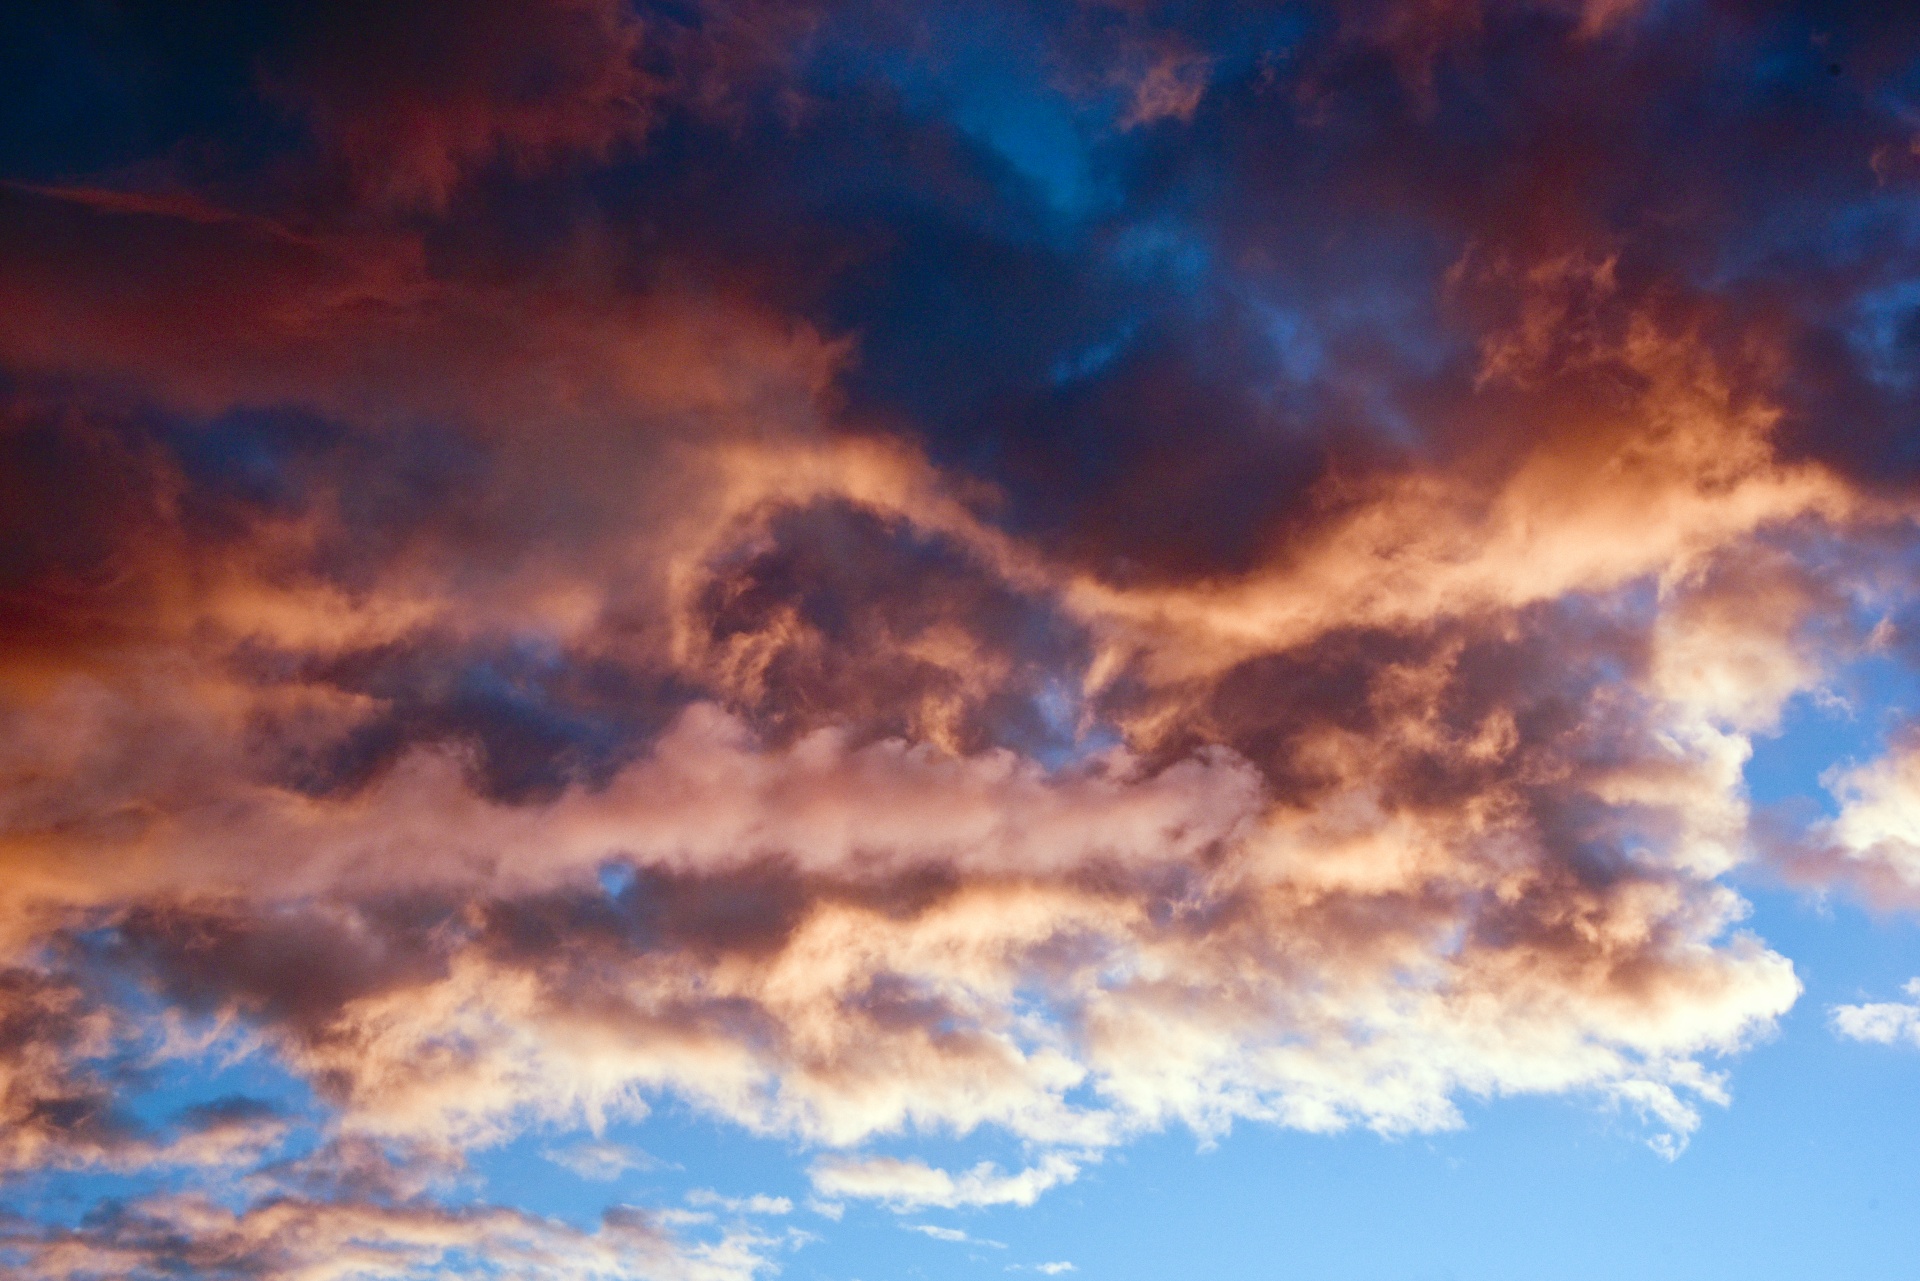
x: 928, y: 596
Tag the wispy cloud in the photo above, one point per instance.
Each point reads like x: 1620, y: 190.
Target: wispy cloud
x: 600, y: 1160
x: 953, y: 1235
x: 906, y: 1184
x: 758, y: 1203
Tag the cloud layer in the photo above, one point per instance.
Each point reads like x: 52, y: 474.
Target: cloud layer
x: 1220, y: 565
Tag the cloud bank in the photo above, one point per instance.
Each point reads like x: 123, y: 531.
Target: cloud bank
x: 600, y: 554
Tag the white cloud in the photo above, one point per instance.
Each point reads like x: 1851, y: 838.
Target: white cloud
x: 600, y: 1160
x: 910, y: 1184
x: 938, y: 1234
x: 954, y: 1235
x: 755, y: 1204
x: 1882, y: 1022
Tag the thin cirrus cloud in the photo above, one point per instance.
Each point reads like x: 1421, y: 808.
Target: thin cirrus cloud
x: 953, y: 1236
x: 601, y: 1160
x: 977, y: 632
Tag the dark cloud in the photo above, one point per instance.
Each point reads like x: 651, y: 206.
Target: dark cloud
x: 839, y: 617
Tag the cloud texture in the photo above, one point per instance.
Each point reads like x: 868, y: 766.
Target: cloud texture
x: 1220, y: 565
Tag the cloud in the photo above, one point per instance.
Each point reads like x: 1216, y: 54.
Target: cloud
x: 758, y: 1203
x: 905, y: 1184
x: 291, y: 1237
x: 953, y: 1235
x: 601, y: 1160
x: 63, y: 1051
x: 417, y: 99
x: 937, y: 1233
x: 970, y: 633
x: 1882, y: 1023
x: 1871, y: 846
x: 527, y: 82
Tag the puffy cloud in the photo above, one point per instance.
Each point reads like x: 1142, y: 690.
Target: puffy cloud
x: 794, y: 924
x: 1881, y: 1022
x: 1872, y: 845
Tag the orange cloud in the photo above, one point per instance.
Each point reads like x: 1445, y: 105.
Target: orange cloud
x: 515, y: 676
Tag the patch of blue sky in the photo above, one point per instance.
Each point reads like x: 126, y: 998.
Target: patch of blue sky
x: 62, y: 1199
x: 1529, y: 1188
x: 1072, y: 738
x: 994, y: 84
x: 667, y: 1160
x: 1091, y: 361
x: 229, y: 1069
x: 1848, y: 722
x: 1844, y: 723
x: 1072, y: 144
x: 1303, y: 335
x: 1164, y: 250
x: 182, y: 1060
x: 1793, y: 64
x: 1809, y: 1171
x: 1038, y: 134
x: 1159, y: 254
x: 1295, y: 338
x: 158, y: 1092
x: 1880, y: 229
x: 616, y: 877
x: 1410, y: 326
x: 1886, y: 333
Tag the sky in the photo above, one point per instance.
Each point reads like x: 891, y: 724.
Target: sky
x: 858, y: 639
